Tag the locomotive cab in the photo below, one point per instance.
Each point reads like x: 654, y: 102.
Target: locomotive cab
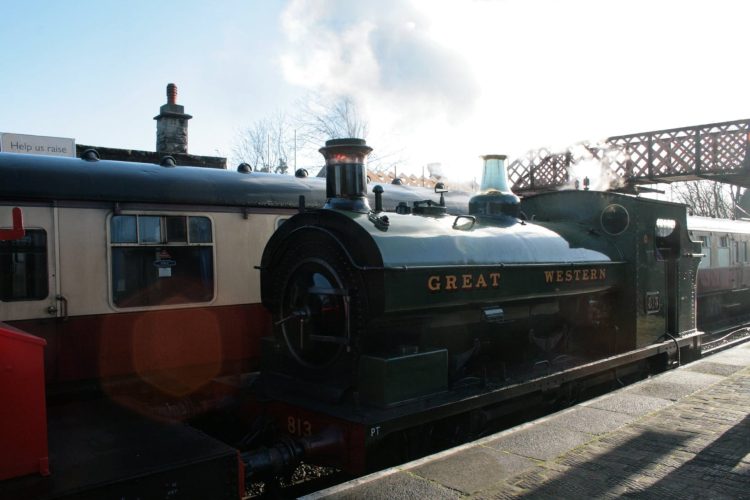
x: 662, y: 260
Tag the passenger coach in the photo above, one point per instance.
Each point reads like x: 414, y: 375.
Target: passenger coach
x: 724, y: 271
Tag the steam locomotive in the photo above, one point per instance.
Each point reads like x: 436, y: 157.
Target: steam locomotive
x: 390, y: 321
x: 364, y: 333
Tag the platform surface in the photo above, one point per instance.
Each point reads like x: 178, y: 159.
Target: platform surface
x: 681, y: 434
x: 101, y: 450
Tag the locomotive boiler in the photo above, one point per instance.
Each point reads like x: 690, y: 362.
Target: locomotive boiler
x: 384, y: 321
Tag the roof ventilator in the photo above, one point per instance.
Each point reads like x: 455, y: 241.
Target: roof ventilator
x: 90, y: 154
x: 168, y: 161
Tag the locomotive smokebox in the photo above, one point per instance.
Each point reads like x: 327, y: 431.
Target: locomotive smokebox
x: 495, y: 197
x: 346, y: 174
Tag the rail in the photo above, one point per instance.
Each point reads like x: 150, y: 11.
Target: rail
x: 724, y: 338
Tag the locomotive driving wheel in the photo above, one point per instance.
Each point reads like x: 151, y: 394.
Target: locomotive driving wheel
x: 315, y: 301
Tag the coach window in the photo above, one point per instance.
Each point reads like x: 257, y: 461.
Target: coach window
x: 161, y: 260
x: 723, y: 251
x: 200, y: 230
x: 23, y: 267
x: 736, y: 252
x: 706, y: 251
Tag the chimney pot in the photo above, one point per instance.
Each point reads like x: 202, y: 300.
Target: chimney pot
x: 171, y: 93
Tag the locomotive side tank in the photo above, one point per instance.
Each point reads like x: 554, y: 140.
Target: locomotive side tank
x: 388, y: 309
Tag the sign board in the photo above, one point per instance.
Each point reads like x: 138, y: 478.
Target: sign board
x: 37, y: 145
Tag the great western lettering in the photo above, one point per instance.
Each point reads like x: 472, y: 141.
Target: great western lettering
x: 489, y: 280
x: 572, y: 275
x: 467, y: 281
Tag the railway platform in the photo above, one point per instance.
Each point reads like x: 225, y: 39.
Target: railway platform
x: 681, y: 434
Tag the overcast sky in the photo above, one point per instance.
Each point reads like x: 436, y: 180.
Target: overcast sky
x: 440, y: 81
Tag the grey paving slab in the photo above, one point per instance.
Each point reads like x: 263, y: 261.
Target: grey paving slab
x: 732, y: 357
x: 542, y: 442
x: 711, y: 368
x: 695, y: 380
x: 661, y: 390
x: 591, y: 420
x: 474, y: 469
x: 674, y: 385
x: 516, y: 488
x: 631, y: 404
x: 397, y: 485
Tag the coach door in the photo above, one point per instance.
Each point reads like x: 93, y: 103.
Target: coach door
x: 28, y: 268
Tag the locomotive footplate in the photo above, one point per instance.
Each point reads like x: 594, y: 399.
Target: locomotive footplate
x: 354, y: 430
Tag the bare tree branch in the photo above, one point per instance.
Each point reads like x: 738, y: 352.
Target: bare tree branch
x: 266, y: 145
x: 708, y: 198
x: 269, y: 143
x: 320, y: 118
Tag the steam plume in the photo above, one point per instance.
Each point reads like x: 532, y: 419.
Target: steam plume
x: 382, y: 56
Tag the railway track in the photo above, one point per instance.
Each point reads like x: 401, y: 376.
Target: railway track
x: 305, y: 479
x: 725, y: 337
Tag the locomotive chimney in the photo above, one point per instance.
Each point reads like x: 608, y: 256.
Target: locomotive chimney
x: 495, y: 197
x: 346, y: 174
x: 172, y: 125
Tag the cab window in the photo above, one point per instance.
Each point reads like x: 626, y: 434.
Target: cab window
x: 666, y: 239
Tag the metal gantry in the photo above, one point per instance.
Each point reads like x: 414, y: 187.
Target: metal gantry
x: 715, y: 151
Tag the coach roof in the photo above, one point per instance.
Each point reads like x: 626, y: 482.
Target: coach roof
x: 33, y: 177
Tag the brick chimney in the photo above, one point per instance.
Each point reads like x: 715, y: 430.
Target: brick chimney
x: 172, y: 125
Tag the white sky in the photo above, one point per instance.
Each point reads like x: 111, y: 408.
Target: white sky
x: 440, y: 80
